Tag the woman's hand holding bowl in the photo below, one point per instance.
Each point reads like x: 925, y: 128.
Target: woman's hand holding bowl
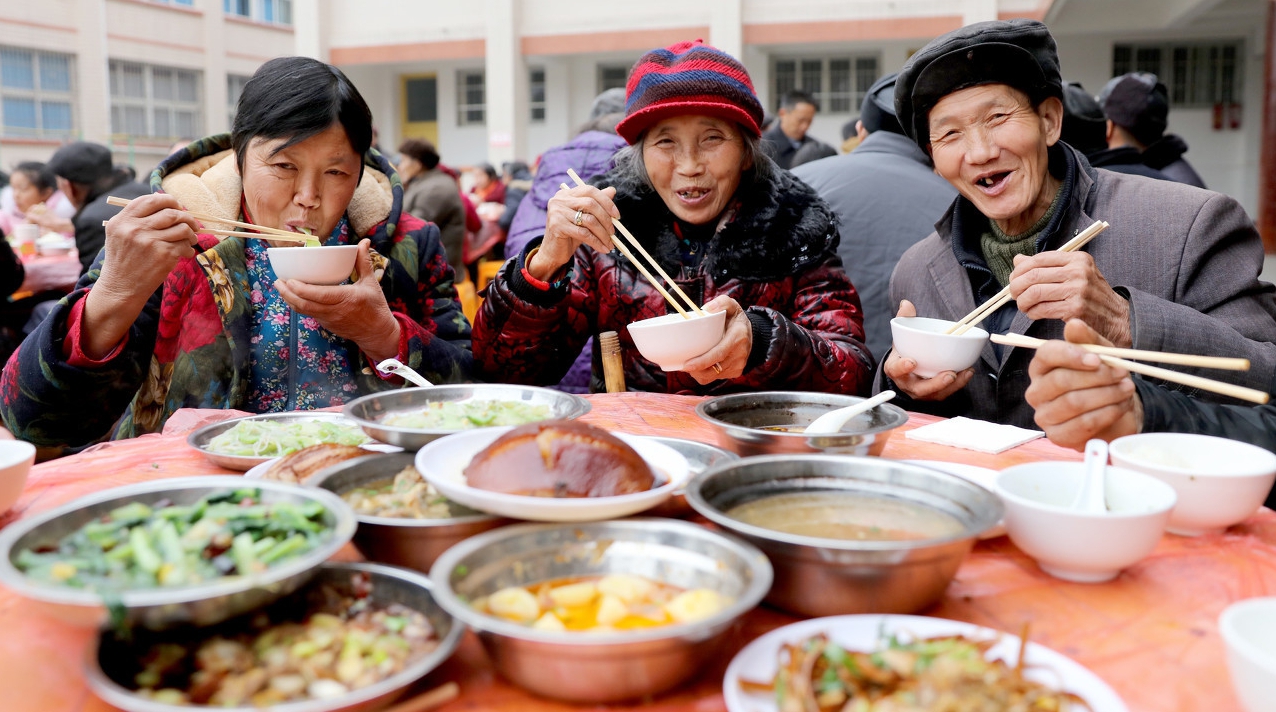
x: 563, y: 234
x: 900, y: 370
x: 356, y: 311
x: 731, y: 353
x: 144, y: 242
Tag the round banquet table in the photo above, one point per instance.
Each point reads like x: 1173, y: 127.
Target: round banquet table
x: 1151, y: 633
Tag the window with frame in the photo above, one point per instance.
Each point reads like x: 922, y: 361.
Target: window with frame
x: 277, y: 11
x: 37, y: 98
x: 471, y: 97
x: 536, y: 92
x: 612, y: 76
x: 155, y: 102
x: 234, y: 88
x: 242, y: 8
x: 1196, y: 74
x: 837, y: 83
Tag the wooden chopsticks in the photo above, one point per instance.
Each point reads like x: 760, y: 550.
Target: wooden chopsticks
x: 620, y: 244
x: 1105, y: 353
x: 259, y: 232
x: 1000, y: 298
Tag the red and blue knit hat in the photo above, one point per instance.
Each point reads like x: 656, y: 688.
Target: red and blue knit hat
x: 688, y: 78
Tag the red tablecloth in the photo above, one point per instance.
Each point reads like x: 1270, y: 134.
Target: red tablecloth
x: 1151, y: 633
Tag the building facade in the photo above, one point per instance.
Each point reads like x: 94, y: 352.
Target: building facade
x: 494, y: 80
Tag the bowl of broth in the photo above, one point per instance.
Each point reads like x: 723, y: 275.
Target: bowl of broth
x: 773, y: 422
x: 848, y: 534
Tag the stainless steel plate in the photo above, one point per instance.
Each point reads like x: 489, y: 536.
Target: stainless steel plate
x: 199, y: 439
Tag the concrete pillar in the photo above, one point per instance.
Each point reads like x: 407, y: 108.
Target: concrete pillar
x: 726, y: 27
x: 216, y: 96
x: 978, y: 11
x: 1266, y: 177
x: 506, y: 84
x: 92, y: 72
x: 308, y: 29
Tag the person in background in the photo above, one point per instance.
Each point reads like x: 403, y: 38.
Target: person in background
x: 887, y: 198
x: 1086, y: 129
x: 852, y: 135
x: 88, y: 177
x: 37, y: 200
x: 518, y: 181
x: 1137, y: 108
x: 590, y: 153
x: 1177, y: 270
x: 784, y: 139
x: 488, y: 187
x: 432, y: 195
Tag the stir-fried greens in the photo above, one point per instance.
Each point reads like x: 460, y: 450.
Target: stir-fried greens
x: 462, y: 415
x: 139, y: 546
x: 951, y: 674
x: 276, y: 438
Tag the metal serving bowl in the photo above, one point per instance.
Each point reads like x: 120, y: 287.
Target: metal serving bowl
x: 370, y: 410
x: 201, y: 604
x: 414, y: 543
x: 739, y: 420
x: 199, y: 438
x: 597, y: 668
x: 700, y: 457
x: 823, y: 577
x: 111, y: 666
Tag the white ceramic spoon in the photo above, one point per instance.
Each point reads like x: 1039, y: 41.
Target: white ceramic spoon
x: 397, y: 367
x: 832, y: 421
x: 1092, y: 498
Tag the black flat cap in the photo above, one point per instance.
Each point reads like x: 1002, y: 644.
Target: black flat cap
x: 82, y: 162
x: 1084, y: 127
x: 1139, y: 103
x: 877, y: 113
x: 1019, y: 53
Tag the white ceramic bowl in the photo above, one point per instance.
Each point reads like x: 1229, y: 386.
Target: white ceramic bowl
x: 1219, y: 482
x: 1071, y: 544
x: 16, y: 457
x: 1249, y: 632
x: 924, y: 341
x: 670, y: 340
x: 313, y: 265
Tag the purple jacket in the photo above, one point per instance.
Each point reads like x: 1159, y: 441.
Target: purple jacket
x: 590, y: 154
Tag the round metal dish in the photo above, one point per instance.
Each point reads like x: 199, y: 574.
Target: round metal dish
x: 201, y: 604
x: 820, y: 577
x: 739, y: 421
x: 389, y: 585
x: 370, y: 410
x: 414, y: 543
x: 198, y: 439
x: 700, y: 457
x: 600, y: 667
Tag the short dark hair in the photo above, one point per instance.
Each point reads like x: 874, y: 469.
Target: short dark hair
x: 489, y: 170
x: 791, y: 99
x: 295, y: 98
x: 38, y: 174
x: 422, y: 151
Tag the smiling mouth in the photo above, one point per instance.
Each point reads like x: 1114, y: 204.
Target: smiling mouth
x: 993, y: 180
x: 693, y: 193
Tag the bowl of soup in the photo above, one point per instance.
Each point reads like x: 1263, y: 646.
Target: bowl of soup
x: 773, y: 422
x: 848, y: 534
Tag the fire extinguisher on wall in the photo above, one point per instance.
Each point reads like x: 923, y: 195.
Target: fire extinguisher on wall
x: 1219, y: 110
x: 1234, y: 115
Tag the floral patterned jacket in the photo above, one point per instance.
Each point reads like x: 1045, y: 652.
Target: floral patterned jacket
x: 190, y: 346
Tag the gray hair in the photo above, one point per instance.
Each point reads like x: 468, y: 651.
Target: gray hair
x: 632, y: 168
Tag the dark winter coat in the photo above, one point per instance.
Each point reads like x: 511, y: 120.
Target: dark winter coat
x: 1125, y: 159
x: 777, y: 258
x: 1166, y: 155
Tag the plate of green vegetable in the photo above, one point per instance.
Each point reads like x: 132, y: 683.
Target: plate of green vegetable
x: 193, y: 549
x: 243, y: 443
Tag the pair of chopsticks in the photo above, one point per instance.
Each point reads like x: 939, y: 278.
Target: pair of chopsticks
x: 999, y: 300
x: 620, y: 245
x: 258, y: 232
x: 1111, y: 356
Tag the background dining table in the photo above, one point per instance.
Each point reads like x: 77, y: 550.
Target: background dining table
x: 1151, y: 633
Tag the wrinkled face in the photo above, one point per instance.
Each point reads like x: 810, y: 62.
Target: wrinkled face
x: 796, y: 121
x: 695, y: 163
x: 308, y: 184
x: 25, y: 193
x: 992, y: 145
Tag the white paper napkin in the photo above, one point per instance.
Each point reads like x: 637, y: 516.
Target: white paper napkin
x: 973, y: 434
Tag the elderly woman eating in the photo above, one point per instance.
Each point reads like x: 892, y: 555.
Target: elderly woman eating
x: 170, y: 317
x: 1177, y: 270
x: 726, y: 224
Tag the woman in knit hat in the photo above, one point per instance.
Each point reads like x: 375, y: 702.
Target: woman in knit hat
x: 736, y: 233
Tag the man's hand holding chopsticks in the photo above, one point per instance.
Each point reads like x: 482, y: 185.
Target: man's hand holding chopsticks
x: 574, y: 217
x: 1068, y: 285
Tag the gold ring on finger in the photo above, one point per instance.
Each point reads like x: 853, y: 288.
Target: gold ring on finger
x: 580, y: 217
x: 717, y: 368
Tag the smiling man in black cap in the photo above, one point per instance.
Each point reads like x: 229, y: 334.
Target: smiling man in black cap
x: 1137, y: 107
x: 87, y: 176
x: 1176, y: 271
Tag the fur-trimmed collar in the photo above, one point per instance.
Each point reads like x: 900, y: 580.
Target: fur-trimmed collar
x: 204, y: 179
x: 781, y: 228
